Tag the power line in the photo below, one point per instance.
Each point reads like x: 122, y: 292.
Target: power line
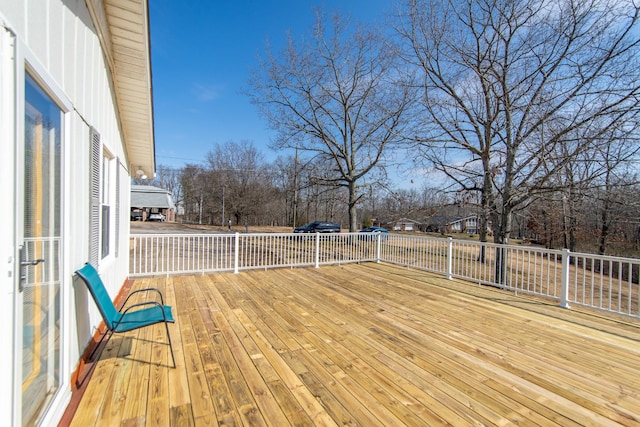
x: 182, y: 158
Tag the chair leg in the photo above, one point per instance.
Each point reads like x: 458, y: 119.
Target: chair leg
x: 166, y: 325
x: 108, y: 332
x: 80, y: 382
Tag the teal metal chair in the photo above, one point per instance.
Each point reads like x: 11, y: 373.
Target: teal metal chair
x: 128, y: 318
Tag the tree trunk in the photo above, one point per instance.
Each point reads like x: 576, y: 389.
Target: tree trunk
x: 504, y: 228
x: 502, y: 237
x: 604, y: 228
x: 604, y: 214
x: 353, y: 200
x: 483, y: 219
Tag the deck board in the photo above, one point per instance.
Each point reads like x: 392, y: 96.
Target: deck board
x: 370, y: 344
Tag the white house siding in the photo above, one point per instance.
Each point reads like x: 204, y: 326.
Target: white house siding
x: 59, y: 41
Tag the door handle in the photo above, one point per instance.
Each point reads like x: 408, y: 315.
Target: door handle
x: 24, y: 263
x: 32, y: 262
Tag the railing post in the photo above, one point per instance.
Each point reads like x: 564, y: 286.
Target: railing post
x: 317, y: 250
x: 236, y: 255
x: 449, y: 258
x: 378, y: 247
x: 564, y: 290
x: 203, y: 242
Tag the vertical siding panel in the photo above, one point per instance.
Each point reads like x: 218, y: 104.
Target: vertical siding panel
x: 70, y: 60
x: 79, y: 171
x: 55, y: 57
x: 37, y: 28
x: 89, y: 85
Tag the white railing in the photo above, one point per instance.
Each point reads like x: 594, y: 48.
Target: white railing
x: 161, y: 254
x: 180, y: 253
x: 603, y: 282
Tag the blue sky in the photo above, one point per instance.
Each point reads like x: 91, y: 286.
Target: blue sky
x: 202, y: 52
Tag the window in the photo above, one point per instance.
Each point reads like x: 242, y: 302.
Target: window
x: 106, y: 203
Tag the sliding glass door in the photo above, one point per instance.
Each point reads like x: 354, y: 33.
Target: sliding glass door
x: 39, y: 297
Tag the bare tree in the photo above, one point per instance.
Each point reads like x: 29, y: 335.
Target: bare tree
x: 240, y: 180
x: 337, y: 96
x: 192, y: 182
x: 286, y: 179
x: 169, y: 179
x: 507, y: 83
x: 616, y: 181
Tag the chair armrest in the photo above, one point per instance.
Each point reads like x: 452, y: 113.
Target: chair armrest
x: 141, y: 304
x: 143, y: 290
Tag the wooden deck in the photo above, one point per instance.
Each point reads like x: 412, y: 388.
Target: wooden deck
x: 367, y: 345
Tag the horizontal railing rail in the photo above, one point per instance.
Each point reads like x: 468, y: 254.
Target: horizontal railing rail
x: 603, y: 282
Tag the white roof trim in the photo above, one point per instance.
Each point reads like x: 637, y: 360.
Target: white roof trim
x: 123, y: 30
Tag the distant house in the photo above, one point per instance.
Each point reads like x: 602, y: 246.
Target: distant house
x: 451, y: 218
x: 468, y: 225
x: 404, y: 224
x: 147, y: 199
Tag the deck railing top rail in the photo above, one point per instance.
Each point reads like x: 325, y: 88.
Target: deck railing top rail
x: 605, y: 282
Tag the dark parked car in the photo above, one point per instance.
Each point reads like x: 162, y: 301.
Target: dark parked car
x: 318, y: 227
x: 136, y: 216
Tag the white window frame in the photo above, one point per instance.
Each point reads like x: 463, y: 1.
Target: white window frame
x: 107, y: 202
